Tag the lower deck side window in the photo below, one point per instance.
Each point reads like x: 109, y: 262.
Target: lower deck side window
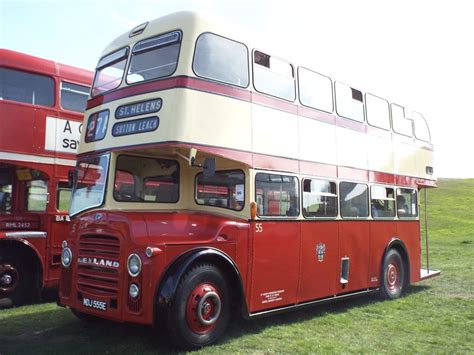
x: 224, y: 189
x: 407, y: 203
x: 277, y: 195
x: 354, y: 199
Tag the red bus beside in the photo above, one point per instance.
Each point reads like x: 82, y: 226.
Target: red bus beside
x: 213, y: 176
x: 41, y: 110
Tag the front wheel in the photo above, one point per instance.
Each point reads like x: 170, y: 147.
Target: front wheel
x: 393, y: 275
x: 200, y: 312
x: 16, y: 281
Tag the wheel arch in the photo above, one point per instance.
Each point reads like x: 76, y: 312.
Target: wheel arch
x: 167, y: 286
x: 398, y: 244
x: 27, y: 249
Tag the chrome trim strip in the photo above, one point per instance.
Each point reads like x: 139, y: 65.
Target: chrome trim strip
x: 26, y: 234
x: 311, y: 303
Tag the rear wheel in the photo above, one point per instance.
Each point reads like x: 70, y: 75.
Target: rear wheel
x: 16, y: 280
x: 200, y: 312
x: 393, y: 275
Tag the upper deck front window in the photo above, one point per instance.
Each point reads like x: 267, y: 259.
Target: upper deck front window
x: 110, y: 71
x: 154, y: 58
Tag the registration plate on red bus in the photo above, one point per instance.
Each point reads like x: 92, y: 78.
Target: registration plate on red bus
x: 94, y: 304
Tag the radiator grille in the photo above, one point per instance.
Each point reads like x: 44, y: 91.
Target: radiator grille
x: 99, y: 279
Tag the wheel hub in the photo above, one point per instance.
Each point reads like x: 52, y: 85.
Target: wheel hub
x: 203, y: 308
x: 9, y: 277
x: 393, y: 280
x: 6, y: 280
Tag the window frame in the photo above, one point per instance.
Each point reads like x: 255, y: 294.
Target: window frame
x: 363, y: 103
x: 336, y: 196
x: 130, y: 57
x: 427, y: 128
x: 281, y: 59
x: 144, y: 157
x: 367, y: 115
x: 367, y: 200
x: 223, y: 207
x: 126, y: 56
x: 298, y: 189
x: 393, y: 126
x: 299, y: 89
x: 216, y: 80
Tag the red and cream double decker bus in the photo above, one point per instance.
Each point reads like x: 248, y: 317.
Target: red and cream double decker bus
x: 214, y: 176
x: 41, y: 110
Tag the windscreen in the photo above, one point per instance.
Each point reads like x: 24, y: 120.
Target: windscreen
x: 89, y: 187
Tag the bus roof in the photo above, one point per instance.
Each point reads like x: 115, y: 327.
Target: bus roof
x: 9, y: 58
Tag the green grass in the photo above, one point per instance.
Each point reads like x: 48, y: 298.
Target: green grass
x: 436, y: 315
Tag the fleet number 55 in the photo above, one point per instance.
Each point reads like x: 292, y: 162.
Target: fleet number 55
x: 258, y: 228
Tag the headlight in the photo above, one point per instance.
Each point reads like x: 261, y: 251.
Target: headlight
x: 133, y: 291
x: 66, y: 257
x: 134, y: 265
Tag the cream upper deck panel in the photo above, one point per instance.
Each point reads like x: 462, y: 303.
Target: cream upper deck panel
x: 200, y: 118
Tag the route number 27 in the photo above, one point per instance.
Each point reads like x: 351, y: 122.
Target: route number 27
x: 258, y: 228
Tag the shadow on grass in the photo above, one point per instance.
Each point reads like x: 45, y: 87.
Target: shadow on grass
x: 58, y: 331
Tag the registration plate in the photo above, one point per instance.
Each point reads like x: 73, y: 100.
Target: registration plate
x: 95, y: 304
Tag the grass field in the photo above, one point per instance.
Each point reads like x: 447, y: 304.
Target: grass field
x: 436, y: 315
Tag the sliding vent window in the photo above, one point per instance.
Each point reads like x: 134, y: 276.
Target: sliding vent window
x: 378, y: 113
x: 277, y: 195
x: 319, y: 198
x: 221, y: 59
x: 26, y: 87
x: 354, y: 200
x: 154, y: 58
x: 315, y: 90
x: 401, y: 123
x: 74, y: 97
x: 273, y: 76
x: 225, y: 189
x: 349, y: 102
x: 109, y: 72
x: 382, y: 202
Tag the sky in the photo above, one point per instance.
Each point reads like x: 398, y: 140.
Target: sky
x: 416, y: 53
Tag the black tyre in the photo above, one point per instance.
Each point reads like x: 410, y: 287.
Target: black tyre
x: 393, y: 275
x: 200, y: 312
x: 16, y: 280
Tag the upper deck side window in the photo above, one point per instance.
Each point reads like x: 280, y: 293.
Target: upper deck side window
x: 349, y: 102
x: 422, y: 131
x: 221, y: 59
x: 315, y: 90
x: 377, y: 111
x: 273, y: 76
x: 74, y: 96
x: 154, y: 58
x: 400, y: 122
x: 109, y: 72
x: 20, y: 86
